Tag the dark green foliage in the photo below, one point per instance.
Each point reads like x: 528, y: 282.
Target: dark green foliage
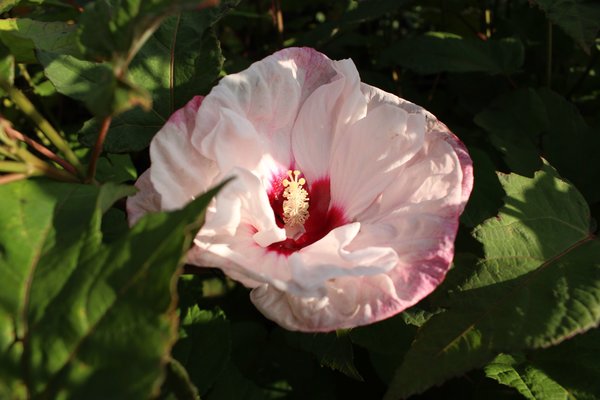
x: 93, y: 308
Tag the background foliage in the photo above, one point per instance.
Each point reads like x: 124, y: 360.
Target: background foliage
x: 92, y: 309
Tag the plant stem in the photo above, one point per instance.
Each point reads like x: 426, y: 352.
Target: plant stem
x: 38, y: 147
x: 15, y: 166
x: 91, y: 174
x: 11, y: 178
x: 57, y: 140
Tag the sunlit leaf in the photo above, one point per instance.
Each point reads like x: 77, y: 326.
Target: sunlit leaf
x: 23, y: 36
x: 568, y: 370
x: 76, y: 313
x: 95, y: 84
x: 538, y: 284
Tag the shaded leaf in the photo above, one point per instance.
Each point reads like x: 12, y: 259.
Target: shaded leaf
x: 439, y: 52
x: 580, y: 19
x: 571, y: 145
x: 103, y: 312
x: 333, y: 350
x: 116, y: 168
x: 23, y: 36
x: 178, y: 383
x: 204, y: 347
x: 573, y: 364
x: 538, y: 285
x: 386, y: 342
x: 117, y: 29
x: 515, y: 122
x: 362, y: 12
x: 526, y: 123
x: 487, y: 194
x: 92, y: 83
x: 181, y: 60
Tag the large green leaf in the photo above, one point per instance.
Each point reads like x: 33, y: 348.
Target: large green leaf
x: 538, y: 284
x: 78, y: 317
x: 439, y: 52
x: 530, y: 381
x: 580, y: 19
x: 515, y: 122
x: 333, y: 350
x: 569, y: 370
x: 204, y: 348
x: 23, y: 36
x: 571, y: 145
x: 526, y: 123
x: 487, y: 194
x: 117, y: 29
x: 182, y: 59
x: 95, y: 84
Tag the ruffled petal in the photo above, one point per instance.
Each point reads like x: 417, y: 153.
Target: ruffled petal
x: 416, y: 217
x: 179, y: 172
x: 257, y: 108
x: 324, y: 115
x: 370, y: 153
x: 239, y: 225
x: 329, y: 258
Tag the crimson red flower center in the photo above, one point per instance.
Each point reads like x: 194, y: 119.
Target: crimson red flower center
x: 322, y: 215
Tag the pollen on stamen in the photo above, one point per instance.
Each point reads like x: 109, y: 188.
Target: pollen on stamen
x: 295, y: 205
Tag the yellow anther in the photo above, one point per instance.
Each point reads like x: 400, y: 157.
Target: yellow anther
x: 295, y: 205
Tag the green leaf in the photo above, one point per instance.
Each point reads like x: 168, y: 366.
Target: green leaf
x: 95, y: 84
x: 527, y: 122
x: 333, y: 350
x: 487, y: 194
x: 528, y: 380
x: 6, y: 5
x: 178, y: 384
x: 357, y: 13
x: 76, y: 313
x: 568, y: 370
x: 386, y: 341
x: 580, y: 19
x: 116, y: 168
x: 117, y: 29
x: 23, y: 36
x: 181, y: 60
x: 204, y: 348
x: 515, y: 122
x: 439, y: 52
x: 571, y: 145
x: 538, y: 284
x: 573, y: 364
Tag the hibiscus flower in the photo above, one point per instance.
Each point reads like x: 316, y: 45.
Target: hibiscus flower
x: 345, y: 202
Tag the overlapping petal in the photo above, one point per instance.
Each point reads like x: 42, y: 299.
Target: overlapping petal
x: 386, y: 180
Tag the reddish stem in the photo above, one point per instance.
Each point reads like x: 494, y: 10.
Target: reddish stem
x: 40, y: 148
x: 4, y: 179
x: 98, y: 148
